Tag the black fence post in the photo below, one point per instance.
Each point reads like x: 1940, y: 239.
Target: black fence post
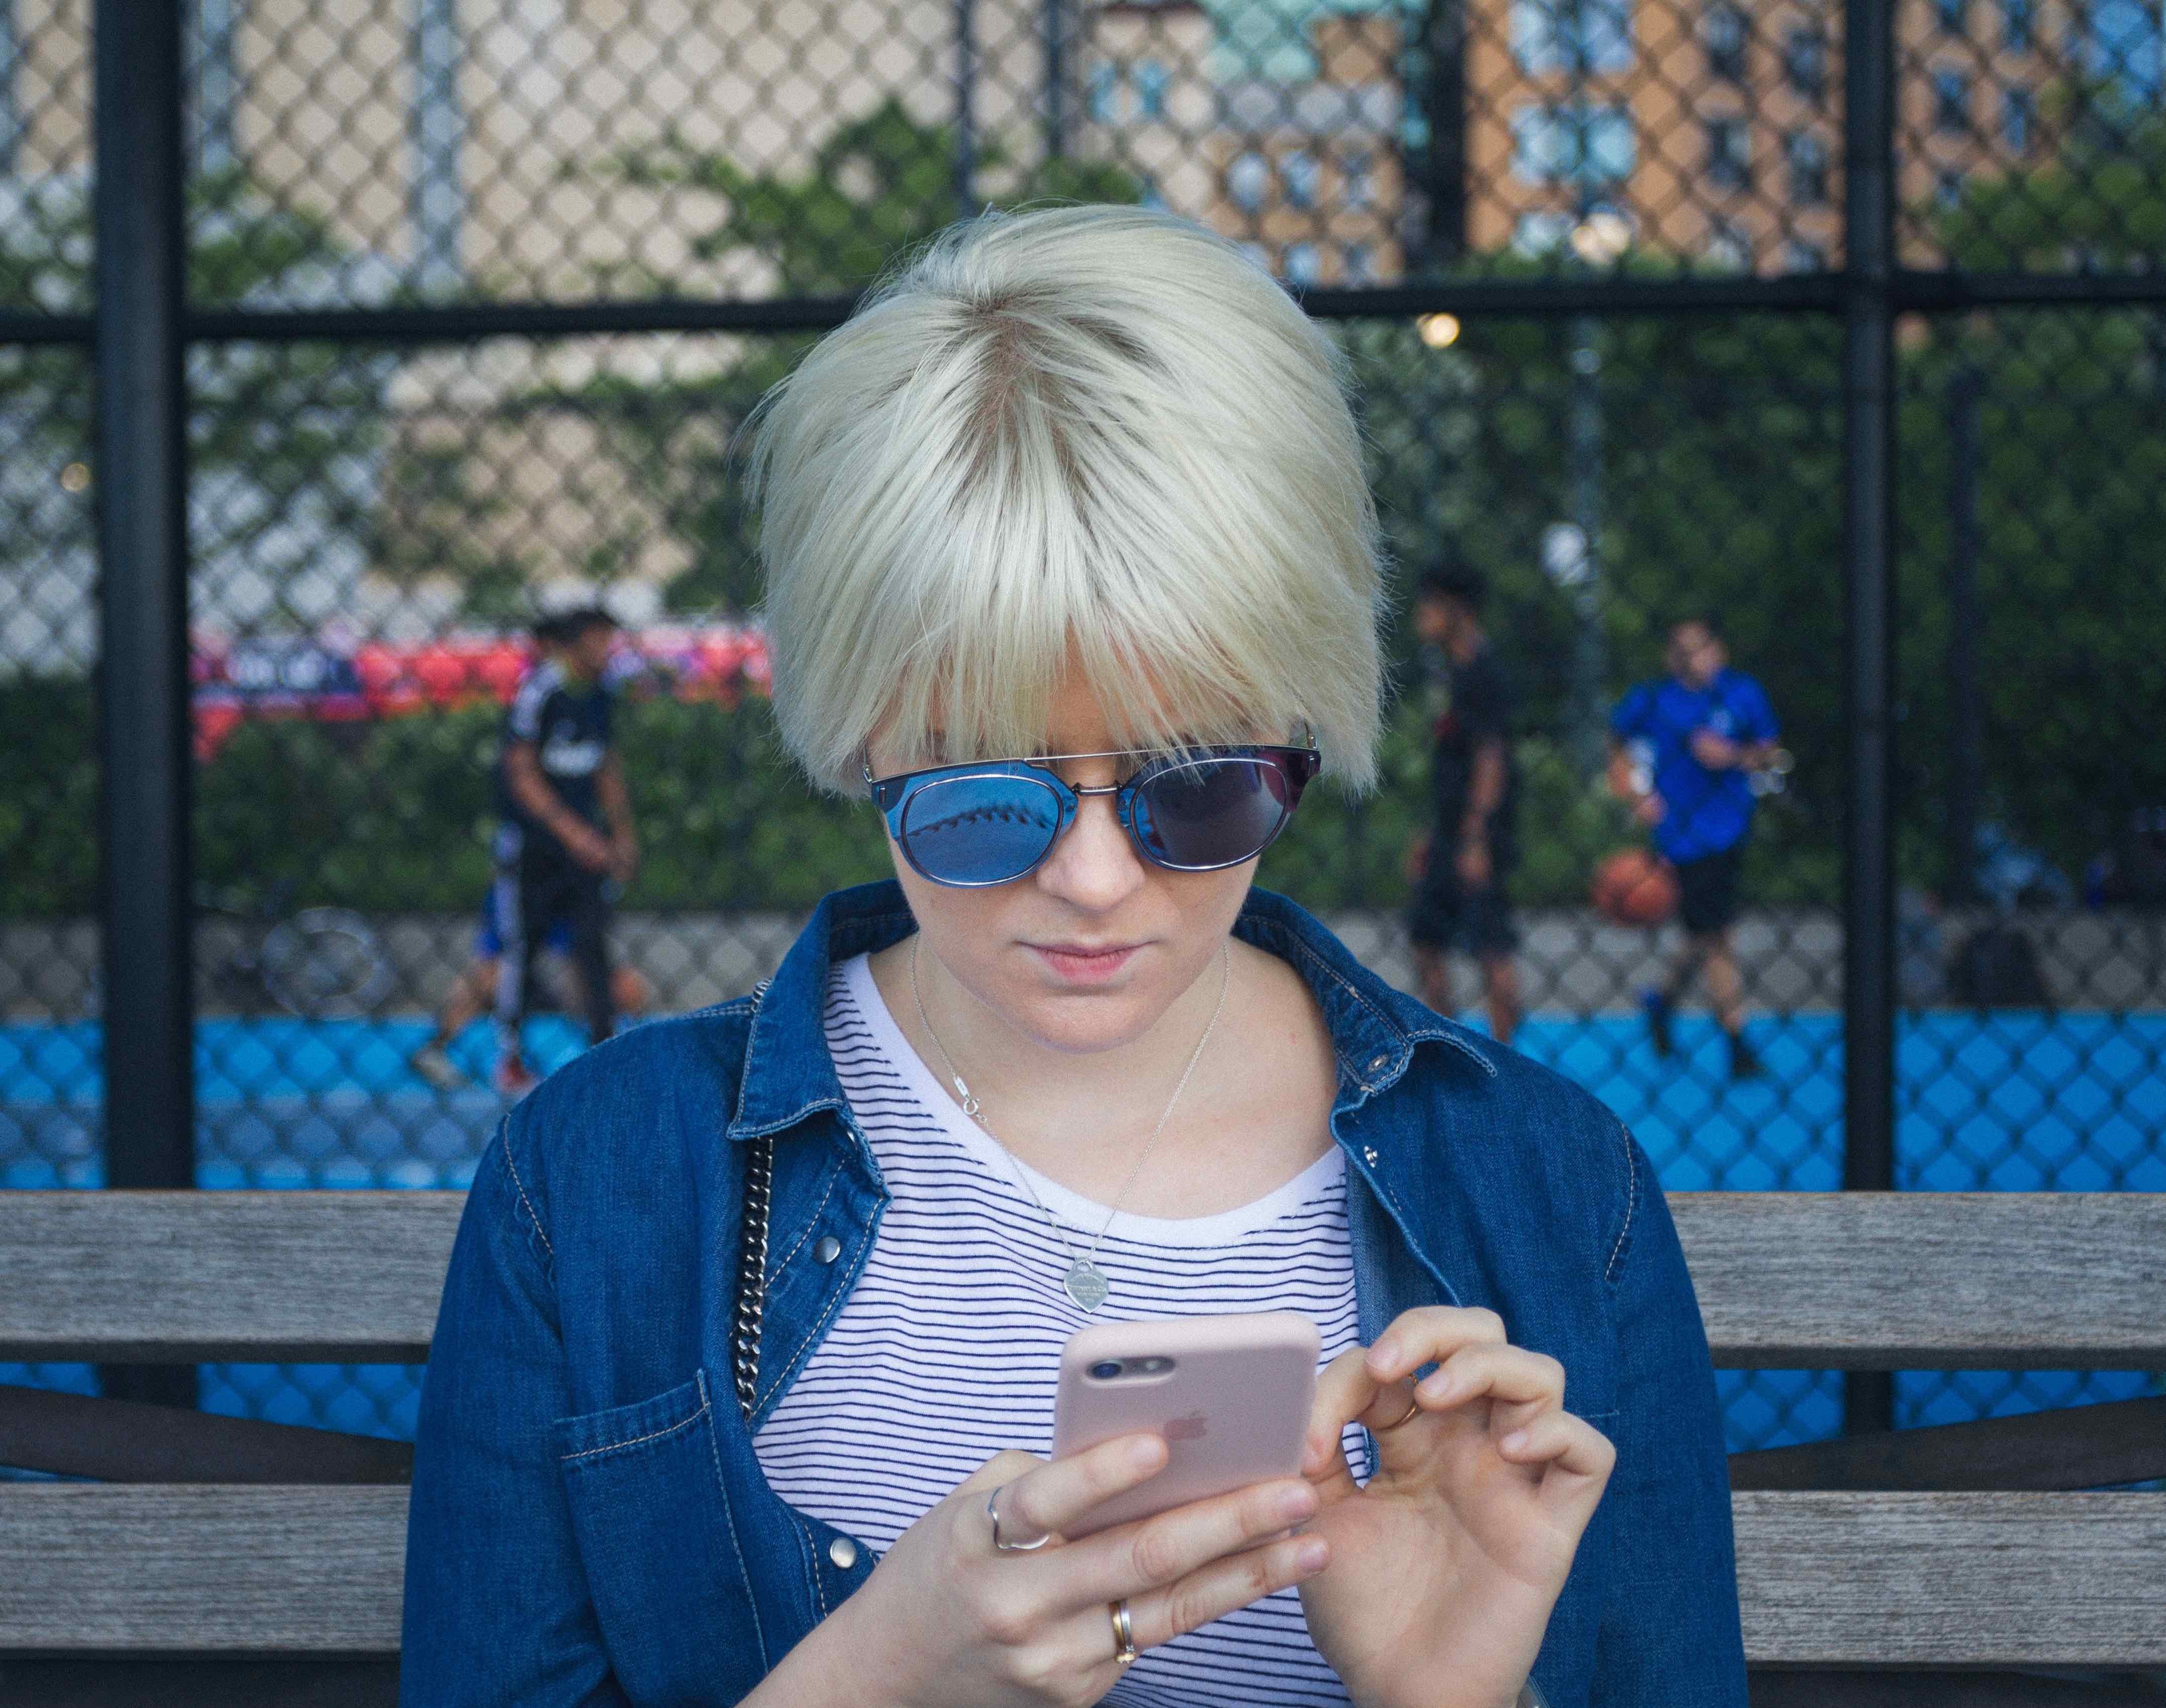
x: 1965, y: 717
x: 1869, y: 408
x: 142, y: 531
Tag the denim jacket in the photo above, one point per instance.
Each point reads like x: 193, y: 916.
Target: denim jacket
x: 590, y: 1524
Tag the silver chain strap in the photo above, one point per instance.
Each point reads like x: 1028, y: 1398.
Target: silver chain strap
x: 751, y: 1257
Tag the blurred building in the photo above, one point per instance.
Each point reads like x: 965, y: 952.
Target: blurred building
x: 1715, y: 130
x: 1304, y: 169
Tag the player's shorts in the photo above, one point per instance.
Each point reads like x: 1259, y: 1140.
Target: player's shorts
x: 1445, y: 914
x: 498, y: 907
x: 1707, y: 890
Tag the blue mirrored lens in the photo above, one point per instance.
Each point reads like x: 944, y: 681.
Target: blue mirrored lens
x: 1211, y: 812
x: 979, y: 829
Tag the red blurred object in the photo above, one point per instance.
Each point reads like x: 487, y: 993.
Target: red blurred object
x: 1633, y: 887
x: 328, y: 680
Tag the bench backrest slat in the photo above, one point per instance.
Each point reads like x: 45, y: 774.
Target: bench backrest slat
x: 1862, y: 1580
x: 1802, y: 1280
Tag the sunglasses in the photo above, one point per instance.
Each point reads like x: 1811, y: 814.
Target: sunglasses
x: 1196, y: 809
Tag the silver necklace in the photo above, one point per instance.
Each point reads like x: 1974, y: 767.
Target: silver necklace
x: 1085, y: 1282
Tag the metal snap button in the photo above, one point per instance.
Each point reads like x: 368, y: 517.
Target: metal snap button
x: 1377, y: 1061
x: 844, y: 1552
x: 828, y: 1250
x: 1369, y: 1155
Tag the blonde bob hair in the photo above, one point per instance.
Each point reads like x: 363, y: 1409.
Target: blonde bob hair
x: 1097, y: 438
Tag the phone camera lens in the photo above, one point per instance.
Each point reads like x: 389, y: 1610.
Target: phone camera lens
x: 1106, y: 1369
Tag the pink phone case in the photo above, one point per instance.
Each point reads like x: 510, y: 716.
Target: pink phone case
x: 1233, y: 1405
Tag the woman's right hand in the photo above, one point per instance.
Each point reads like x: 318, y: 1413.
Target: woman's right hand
x: 947, y: 1622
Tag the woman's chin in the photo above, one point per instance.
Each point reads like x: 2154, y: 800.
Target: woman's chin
x: 1084, y: 1020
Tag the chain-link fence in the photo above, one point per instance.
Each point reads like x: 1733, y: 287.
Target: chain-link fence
x: 547, y: 257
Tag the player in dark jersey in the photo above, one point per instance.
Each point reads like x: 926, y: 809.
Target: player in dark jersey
x: 473, y: 992
x: 567, y: 833
x: 1464, y: 866
x: 1682, y: 752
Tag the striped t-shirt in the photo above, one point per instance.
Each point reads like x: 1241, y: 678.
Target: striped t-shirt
x: 949, y: 1349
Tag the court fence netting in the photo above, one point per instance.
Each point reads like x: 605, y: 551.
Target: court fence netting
x: 1843, y: 327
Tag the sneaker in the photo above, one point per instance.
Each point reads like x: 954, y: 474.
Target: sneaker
x: 433, y: 1065
x: 513, y: 1077
x: 1656, y: 1007
x: 1743, y: 1063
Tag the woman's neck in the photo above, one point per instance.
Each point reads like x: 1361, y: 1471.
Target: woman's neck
x: 1254, y: 1112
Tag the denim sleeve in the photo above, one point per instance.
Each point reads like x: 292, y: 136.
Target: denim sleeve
x: 497, y: 1608
x: 1669, y: 1634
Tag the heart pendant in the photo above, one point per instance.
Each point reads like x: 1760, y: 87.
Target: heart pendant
x: 1085, y: 1285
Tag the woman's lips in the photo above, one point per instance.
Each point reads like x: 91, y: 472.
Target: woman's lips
x: 1078, y: 963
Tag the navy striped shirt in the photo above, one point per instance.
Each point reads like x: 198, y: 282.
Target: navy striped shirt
x: 948, y: 1349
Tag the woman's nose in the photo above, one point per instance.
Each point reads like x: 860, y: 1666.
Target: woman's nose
x: 1094, y: 865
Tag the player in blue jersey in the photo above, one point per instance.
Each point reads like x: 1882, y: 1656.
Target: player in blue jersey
x: 1684, y: 750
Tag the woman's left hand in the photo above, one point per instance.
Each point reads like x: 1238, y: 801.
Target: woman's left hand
x: 1446, y: 1565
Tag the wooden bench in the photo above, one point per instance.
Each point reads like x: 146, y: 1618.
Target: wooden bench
x: 271, y: 1556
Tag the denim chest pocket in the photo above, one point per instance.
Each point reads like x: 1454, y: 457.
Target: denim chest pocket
x: 662, y: 1554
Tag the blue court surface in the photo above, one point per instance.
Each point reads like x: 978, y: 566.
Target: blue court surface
x: 2007, y: 1101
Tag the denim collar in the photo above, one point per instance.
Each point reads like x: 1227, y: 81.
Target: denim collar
x: 789, y: 1076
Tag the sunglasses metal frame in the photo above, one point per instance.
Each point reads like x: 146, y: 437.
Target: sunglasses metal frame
x: 890, y: 794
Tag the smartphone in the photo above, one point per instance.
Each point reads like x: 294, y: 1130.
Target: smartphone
x: 1230, y: 1395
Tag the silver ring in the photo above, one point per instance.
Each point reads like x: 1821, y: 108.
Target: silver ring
x: 993, y: 1512
x: 1124, y: 1633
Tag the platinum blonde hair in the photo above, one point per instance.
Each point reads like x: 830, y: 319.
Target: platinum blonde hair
x: 1096, y: 437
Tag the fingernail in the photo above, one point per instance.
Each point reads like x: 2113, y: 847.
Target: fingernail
x: 1514, y: 1442
x: 1296, y: 1503
x: 1385, y: 1354
x: 1144, y: 1453
x: 1313, y: 1555
x: 1438, y: 1390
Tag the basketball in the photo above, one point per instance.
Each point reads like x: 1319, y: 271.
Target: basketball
x: 1632, y: 887
x: 628, y: 992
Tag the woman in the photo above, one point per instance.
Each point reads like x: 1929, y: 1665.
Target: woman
x: 1072, y: 566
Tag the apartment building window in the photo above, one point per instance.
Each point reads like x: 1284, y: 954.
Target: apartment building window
x: 1728, y: 247
x: 1948, y: 190
x: 1248, y: 180
x: 2124, y: 46
x: 1559, y: 141
x: 2019, y: 25
x: 1360, y: 262
x: 1805, y: 62
x: 1151, y: 79
x: 1555, y: 35
x: 1729, y: 154
x: 1105, y: 95
x: 1952, y: 100
x: 1799, y: 256
x: 2019, y: 115
x: 1723, y: 31
x: 1302, y: 267
x: 1299, y: 172
x: 1954, y: 16
x: 1807, y: 158
x: 1541, y: 233
x: 1359, y: 172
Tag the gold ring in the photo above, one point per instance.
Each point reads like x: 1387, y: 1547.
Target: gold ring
x: 1412, y: 1406
x: 993, y: 1512
x: 1124, y: 1633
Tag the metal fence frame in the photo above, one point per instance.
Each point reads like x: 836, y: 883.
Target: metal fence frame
x: 142, y: 326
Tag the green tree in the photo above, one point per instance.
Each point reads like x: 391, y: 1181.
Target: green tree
x: 2100, y: 202
x: 877, y: 187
